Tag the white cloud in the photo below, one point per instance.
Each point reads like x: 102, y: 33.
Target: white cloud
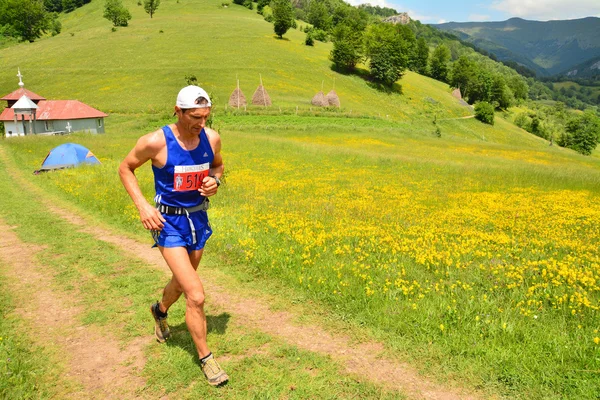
x: 479, y: 17
x: 548, y: 9
x: 419, y: 17
x: 442, y: 21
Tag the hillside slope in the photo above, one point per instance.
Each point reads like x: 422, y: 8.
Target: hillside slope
x: 138, y: 69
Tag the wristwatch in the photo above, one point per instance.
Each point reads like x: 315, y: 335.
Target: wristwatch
x: 217, y: 180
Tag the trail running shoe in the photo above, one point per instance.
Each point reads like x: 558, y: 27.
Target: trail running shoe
x: 162, y: 328
x: 213, y: 372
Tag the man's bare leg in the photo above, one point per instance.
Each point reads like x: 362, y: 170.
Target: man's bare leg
x: 173, y: 290
x: 185, y: 280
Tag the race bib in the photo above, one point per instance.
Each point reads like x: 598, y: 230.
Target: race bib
x: 189, y: 177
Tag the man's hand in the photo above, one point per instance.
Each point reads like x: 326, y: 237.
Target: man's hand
x: 151, y: 218
x: 209, y: 186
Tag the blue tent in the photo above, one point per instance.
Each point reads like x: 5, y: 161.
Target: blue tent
x: 68, y: 155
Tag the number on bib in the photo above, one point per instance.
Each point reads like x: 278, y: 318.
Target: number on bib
x: 189, y: 177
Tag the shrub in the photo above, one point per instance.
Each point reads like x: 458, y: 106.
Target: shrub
x: 484, y: 112
x: 522, y: 121
x: 320, y: 35
x: 267, y: 13
x: 260, y: 4
x: 191, y: 79
x: 55, y: 25
x: 309, y: 41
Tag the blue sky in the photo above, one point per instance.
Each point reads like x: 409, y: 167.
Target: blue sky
x: 438, y: 11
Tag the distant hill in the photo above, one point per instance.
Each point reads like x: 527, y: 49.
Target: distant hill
x: 549, y: 48
x: 586, y: 70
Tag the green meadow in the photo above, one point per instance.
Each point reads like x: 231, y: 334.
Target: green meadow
x: 472, y: 256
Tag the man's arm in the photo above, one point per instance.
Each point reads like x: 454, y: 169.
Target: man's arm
x: 146, y: 148
x: 209, y: 185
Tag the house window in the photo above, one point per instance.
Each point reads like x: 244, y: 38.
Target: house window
x: 49, y: 126
x: 99, y: 120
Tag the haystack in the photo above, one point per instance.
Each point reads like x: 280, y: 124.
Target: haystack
x: 456, y: 93
x: 319, y: 100
x: 333, y: 99
x: 261, y: 97
x: 237, y: 98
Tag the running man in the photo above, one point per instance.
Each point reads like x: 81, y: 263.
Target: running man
x: 187, y: 164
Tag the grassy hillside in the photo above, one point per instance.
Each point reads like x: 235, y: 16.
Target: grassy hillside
x: 114, y: 71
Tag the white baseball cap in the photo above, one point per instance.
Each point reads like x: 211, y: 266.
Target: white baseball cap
x: 189, y: 97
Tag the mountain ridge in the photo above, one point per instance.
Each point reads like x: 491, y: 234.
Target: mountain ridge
x: 547, y: 47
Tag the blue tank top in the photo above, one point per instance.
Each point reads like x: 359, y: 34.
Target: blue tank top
x: 177, y: 183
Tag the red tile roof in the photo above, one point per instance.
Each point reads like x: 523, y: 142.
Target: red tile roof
x: 16, y: 95
x: 57, y: 110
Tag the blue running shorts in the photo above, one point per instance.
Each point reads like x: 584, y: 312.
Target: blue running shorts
x: 178, y: 232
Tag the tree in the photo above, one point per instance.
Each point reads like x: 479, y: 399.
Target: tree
x: 463, y: 73
x: 421, y: 58
x: 319, y: 15
x: 518, y: 86
x: 582, y: 133
x: 150, y: 6
x: 283, y: 16
x: 53, y: 5
x: 501, y: 93
x: 439, y: 63
x: 347, y: 47
x: 115, y: 12
x: 28, y: 18
x: 69, y: 5
x: 261, y: 4
x: 388, y: 52
x: 484, y: 112
x: 482, y: 85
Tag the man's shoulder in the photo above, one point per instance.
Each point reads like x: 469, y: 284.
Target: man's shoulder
x: 213, y: 136
x: 211, y: 133
x: 153, y: 140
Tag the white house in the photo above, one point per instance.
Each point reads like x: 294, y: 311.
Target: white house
x: 30, y: 114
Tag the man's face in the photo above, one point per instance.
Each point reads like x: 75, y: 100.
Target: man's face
x: 193, y: 119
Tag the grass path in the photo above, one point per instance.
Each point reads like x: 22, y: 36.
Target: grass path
x: 101, y: 367
x: 95, y: 361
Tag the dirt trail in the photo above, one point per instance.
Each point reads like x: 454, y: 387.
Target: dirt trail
x: 364, y: 359
x: 93, y: 359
